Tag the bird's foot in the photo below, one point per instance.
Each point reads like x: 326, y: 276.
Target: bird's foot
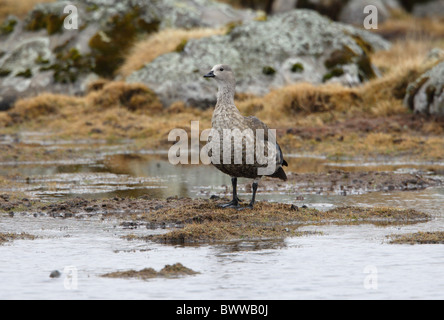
x: 231, y: 204
x: 249, y: 207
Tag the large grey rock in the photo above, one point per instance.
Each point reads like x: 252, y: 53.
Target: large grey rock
x: 39, y: 54
x: 280, y: 6
x: 429, y: 9
x: 297, y: 46
x: 426, y: 94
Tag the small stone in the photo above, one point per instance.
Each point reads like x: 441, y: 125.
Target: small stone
x: 55, y: 274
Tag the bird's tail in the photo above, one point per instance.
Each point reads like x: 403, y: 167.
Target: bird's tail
x: 280, y: 173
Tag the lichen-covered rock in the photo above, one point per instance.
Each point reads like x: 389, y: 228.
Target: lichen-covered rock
x: 426, y: 94
x: 40, y: 54
x: 300, y: 45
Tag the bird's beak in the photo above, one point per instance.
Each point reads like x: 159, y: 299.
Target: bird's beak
x: 209, y: 74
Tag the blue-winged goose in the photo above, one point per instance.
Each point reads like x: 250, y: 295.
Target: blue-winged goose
x: 227, y: 116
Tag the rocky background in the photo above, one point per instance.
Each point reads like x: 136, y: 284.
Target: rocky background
x: 271, y: 44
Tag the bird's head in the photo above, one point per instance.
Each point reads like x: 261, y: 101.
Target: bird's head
x: 221, y: 73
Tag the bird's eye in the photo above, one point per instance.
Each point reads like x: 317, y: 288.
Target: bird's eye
x: 221, y: 69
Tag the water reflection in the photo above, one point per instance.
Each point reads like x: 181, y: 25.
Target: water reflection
x: 150, y: 174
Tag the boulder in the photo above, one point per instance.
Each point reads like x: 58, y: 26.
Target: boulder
x: 297, y: 46
x: 429, y: 9
x: 40, y: 54
x: 426, y: 94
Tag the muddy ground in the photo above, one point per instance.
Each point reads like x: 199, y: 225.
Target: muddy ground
x: 344, y: 183
x: 187, y: 220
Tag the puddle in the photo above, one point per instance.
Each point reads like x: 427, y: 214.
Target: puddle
x: 149, y: 173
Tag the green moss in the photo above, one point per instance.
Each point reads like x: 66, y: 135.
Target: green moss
x: 143, y: 26
x: 25, y: 74
x: 340, y: 57
x: 364, y: 45
x: 430, y: 92
x: 336, y: 72
x: 92, y: 7
x: 7, y: 27
x: 181, y: 46
x: 347, y: 56
x: 4, y: 73
x: 69, y: 64
x: 109, y: 45
x: 267, y: 70
x: 366, y: 71
x: 232, y: 25
x: 51, y: 22
x: 41, y: 61
x: 261, y: 17
x: 297, y: 67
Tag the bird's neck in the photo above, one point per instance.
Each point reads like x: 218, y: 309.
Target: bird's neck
x: 225, y: 97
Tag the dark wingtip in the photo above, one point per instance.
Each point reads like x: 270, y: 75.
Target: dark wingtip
x: 284, y: 163
x: 280, y: 173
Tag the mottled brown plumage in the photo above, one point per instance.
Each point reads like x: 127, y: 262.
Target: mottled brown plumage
x: 227, y: 117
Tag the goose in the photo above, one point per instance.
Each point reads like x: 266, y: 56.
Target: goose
x: 227, y: 119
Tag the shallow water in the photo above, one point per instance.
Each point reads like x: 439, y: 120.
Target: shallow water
x: 334, y: 265
x: 150, y: 174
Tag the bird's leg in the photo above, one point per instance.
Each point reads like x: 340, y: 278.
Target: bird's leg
x: 235, y: 202
x: 253, y: 199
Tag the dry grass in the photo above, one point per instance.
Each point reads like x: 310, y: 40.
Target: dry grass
x: 45, y: 105
x: 133, y: 97
x: 327, y: 119
x: 160, y: 43
x: 169, y: 271
x: 204, y: 221
x: 18, y: 8
x: 405, y: 25
x: 6, y: 237
x: 111, y: 110
x: 383, y: 96
x: 436, y: 237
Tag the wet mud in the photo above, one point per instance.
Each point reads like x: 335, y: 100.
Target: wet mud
x: 344, y: 182
x: 188, y: 221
